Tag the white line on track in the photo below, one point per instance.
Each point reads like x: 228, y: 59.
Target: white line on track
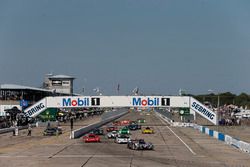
x: 74, y: 156
x: 178, y: 138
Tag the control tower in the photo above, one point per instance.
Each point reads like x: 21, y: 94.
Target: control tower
x: 59, y: 83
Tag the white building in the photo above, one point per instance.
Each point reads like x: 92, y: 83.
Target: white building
x: 59, y: 83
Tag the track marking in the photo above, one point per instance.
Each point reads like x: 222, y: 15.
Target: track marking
x: 80, y: 156
x: 179, y: 138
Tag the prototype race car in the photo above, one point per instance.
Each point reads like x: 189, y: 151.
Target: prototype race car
x: 50, y: 131
x: 91, y: 138
x: 139, y: 144
x: 134, y: 126
x: 125, y: 122
x: 124, y: 130
x: 97, y: 131
x: 122, y: 139
x: 116, y: 123
x: 112, y: 134
x: 111, y: 128
x: 147, y: 130
x: 141, y: 120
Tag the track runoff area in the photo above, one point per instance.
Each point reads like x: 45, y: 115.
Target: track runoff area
x: 173, y: 146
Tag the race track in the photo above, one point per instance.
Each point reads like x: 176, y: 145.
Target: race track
x: 173, y: 147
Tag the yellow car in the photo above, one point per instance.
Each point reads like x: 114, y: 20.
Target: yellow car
x: 147, y: 130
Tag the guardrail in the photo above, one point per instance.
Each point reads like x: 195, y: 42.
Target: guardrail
x: 81, y: 131
x: 7, y: 130
x: 243, y: 146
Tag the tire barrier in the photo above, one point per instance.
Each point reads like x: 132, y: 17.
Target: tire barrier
x: 81, y: 131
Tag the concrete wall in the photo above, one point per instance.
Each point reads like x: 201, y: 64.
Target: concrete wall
x: 81, y: 131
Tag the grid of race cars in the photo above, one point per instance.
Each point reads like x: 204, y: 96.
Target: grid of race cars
x: 119, y: 131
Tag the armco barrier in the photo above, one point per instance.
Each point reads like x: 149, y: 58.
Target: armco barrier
x: 215, y: 134
x: 7, y: 130
x: 207, y: 131
x: 221, y: 136
x: 80, y: 132
x: 211, y: 133
x: 244, y: 146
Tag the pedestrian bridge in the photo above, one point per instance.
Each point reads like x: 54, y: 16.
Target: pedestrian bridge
x: 122, y: 101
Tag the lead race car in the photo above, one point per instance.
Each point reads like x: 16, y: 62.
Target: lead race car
x: 140, y: 144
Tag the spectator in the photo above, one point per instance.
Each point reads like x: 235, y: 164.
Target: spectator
x: 29, y: 130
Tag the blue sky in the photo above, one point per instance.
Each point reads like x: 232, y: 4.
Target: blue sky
x: 158, y: 45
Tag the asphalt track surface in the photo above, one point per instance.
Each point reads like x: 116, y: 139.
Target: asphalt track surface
x: 173, y: 147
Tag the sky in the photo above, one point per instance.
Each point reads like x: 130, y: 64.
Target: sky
x: 159, y: 46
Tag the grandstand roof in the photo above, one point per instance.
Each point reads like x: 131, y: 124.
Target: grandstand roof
x: 21, y: 87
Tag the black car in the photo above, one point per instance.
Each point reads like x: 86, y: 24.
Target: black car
x: 134, y: 126
x: 140, y: 144
x: 52, y: 131
x: 97, y: 131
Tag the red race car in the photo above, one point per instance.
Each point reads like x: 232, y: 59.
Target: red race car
x: 111, y: 128
x: 117, y: 123
x: 125, y: 122
x: 91, y: 138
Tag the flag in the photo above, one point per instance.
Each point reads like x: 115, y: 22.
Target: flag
x: 118, y: 87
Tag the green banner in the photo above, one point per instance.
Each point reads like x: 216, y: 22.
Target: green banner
x: 184, y: 111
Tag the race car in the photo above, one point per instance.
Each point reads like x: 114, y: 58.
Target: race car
x: 111, y: 128
x: 97, y: 131
x: 50, y: 131
x: 139, y: 144
x: 124, y: 130
x: 116, y: 123
x: 147, y: 130
x: 141, y: 120
x: 125, y: 122
x: 112, y: 134
x: 91, y: 138
x: 133, y: 122
x: 122, y: 139
x: 134, y: 126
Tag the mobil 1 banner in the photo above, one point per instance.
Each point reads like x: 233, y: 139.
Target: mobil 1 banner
x: 201, y: 109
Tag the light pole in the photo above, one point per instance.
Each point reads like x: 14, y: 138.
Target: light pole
x: 218, y: 104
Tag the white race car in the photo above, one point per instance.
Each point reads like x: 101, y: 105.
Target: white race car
x: 113, y: 134
x: 122, y: 139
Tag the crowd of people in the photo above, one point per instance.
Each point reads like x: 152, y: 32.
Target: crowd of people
x: 228, y: 116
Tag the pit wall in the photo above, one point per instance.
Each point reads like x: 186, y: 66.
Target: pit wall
x: 241, y: 145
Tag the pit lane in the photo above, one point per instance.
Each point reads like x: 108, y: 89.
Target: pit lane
x: 169, y: 150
